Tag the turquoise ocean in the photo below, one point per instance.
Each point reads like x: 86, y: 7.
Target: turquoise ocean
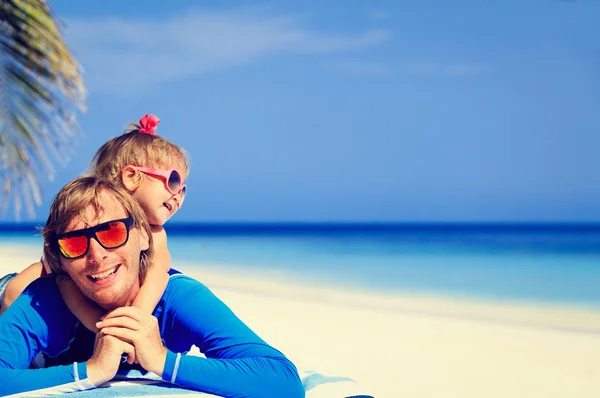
x: 557, y: 263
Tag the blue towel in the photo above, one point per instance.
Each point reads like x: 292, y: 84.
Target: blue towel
x: 132, y: 383
x: 330, y: 385
x: 135, y: 383
x: 3, y: 282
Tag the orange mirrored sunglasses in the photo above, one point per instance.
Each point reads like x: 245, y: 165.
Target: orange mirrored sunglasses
x: 109, y: 235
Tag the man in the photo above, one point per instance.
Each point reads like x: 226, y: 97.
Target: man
x: 98, y: 235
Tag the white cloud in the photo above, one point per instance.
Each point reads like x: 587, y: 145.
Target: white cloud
x: 432, y: 69
x: 121, y: 55
x: 378, y: 14
x: 428, y: 69
x: 359, y: 68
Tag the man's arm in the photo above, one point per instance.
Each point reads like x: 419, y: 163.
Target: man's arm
x: 238, y: 363
x: 54, y: 380
x: 25, y: 331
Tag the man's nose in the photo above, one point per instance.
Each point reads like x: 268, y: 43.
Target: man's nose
x: 96, y: 253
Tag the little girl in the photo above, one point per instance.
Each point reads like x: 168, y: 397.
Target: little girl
x: 153, y: 170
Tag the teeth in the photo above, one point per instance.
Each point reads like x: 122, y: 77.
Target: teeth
x: 104, y: 275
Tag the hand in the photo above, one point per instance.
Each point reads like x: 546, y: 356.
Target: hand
x: 140, y: 329
x: 105, y: 360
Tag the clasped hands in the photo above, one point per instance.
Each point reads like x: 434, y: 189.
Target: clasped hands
x: 126, y: 330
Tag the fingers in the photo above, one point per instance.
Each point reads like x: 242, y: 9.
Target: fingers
x: 129, y: 349
x: 126, y: 335
x: 109, y: 351
x: 131, y: 312
x: 119, y: 321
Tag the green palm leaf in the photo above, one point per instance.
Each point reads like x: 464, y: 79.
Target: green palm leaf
x: 41, y: 90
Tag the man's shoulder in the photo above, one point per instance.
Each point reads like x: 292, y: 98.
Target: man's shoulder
x: 40, y: 297
x: 43, y: 285
x: 188, y: 301
x: 44, y: 289
x: 182, y: 286
x: 181, y: 281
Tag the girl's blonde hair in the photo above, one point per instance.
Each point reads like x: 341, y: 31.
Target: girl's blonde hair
x: 137, y: 149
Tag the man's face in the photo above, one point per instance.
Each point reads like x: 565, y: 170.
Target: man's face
x: 109, y: 277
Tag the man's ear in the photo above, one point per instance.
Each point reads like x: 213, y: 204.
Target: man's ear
x: 131, y: 178
x: 144, y: 239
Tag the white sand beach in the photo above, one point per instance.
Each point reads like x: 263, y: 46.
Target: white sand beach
x: 408, y: 345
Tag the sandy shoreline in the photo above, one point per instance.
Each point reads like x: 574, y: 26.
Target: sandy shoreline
x: 410, y: 345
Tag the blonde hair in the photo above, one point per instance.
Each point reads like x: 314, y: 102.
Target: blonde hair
x: 74, y: 199
x: 137, y: 149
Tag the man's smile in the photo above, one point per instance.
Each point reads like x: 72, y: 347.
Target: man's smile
x: 105, y: 276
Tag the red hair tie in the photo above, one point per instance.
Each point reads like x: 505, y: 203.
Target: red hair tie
x: 148, y: 124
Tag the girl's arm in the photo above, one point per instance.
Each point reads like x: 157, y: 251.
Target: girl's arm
x: 82, y: 307
x: 17, y: 284
x: 157, y: 276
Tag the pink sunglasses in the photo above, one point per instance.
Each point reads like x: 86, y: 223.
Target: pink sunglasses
x: 171, y: 178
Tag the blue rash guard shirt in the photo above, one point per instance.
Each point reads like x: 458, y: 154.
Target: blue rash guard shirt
x: 238, y: 363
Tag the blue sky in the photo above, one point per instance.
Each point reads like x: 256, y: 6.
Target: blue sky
x: 354, y: 111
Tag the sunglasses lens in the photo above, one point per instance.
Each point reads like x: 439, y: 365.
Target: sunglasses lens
x: 174, y: 181
x: 114, y: 235
x: 183, y: 191
x: 73, y: 246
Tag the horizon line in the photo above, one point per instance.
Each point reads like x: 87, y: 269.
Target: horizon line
x: 333, y: 225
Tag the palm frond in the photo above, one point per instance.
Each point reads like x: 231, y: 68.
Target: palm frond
x: 41, y: 90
